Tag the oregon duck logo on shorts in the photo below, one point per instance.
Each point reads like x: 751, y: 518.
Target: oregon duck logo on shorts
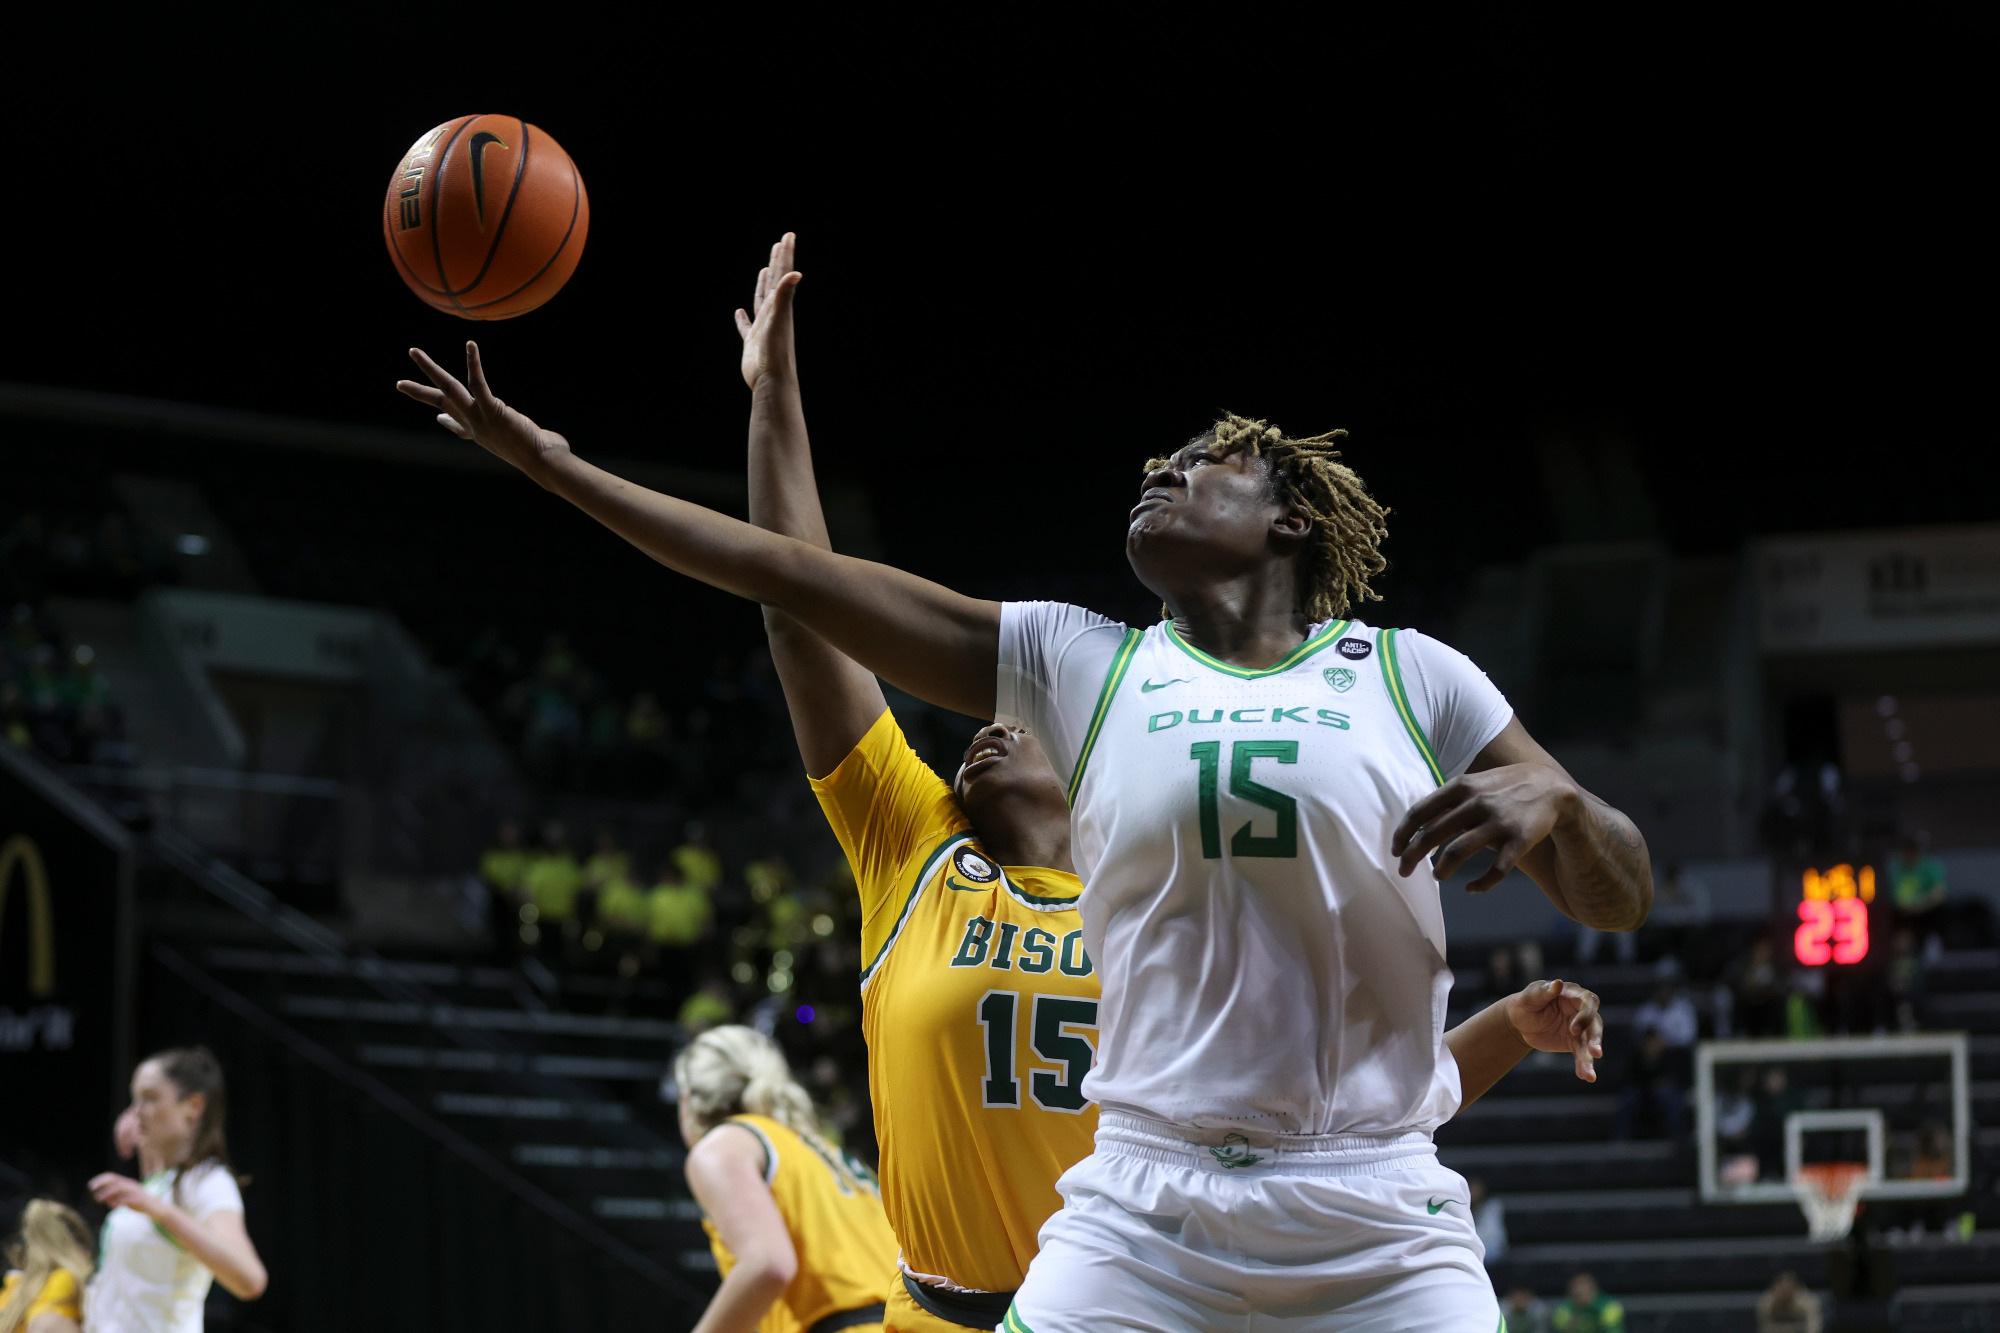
x: 1235, y: 1152
x: 1340, y: 678
x: 974, y: 866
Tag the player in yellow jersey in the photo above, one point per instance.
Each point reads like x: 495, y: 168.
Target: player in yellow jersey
x: 979, y: 1003
x: 969, y: 1100
x: 797, y: 1228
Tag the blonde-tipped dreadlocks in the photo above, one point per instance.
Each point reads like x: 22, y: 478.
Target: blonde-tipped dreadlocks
x: 1347, y: 521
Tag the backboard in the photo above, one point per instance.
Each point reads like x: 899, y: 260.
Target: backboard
x: 1899, y: 1104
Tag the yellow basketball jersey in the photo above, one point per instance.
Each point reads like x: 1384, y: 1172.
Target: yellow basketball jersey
x: 846, y: 1251
x: 979, y: 1006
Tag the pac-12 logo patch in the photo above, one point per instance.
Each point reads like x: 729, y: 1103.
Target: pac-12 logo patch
x: 1354, y: 649
x: 974, y: 866
x: 1340, y: 678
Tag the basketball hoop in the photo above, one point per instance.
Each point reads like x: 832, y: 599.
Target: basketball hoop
x: 1829, y: 1193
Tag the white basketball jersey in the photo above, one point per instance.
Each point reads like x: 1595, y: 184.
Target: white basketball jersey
x: 1264, y: 966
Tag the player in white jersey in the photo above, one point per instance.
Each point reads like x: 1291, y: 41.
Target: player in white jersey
x: 1270, y: 1058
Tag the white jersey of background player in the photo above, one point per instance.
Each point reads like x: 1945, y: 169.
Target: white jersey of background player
x: 1275, y: 1190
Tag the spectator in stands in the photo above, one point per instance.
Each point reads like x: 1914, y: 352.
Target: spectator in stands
x: 1906, y: 975
x: 1776, y: 1099
x: 678, y: 912
x: 1916, y: 885
x: 1788, y: 1307
x: 1489, y: 1220
x: 1681, y: 906
x: 53, y: 701
x: 608, y: 862
x: 624, y: 913
x: 553, y: 730
x: 710, y: 1006
x: 1500, y: 973
x: 695, y: 862
x: 786, y: 912
x: 1671, y: 1014
x: 1625, y: 942
x: 51, y: 1260
x: 1528, y: 959
x: 1735, y: 1115
x: 1587, y: 1310
x: 504, y: 865
x: 1808, y: 988
x: 1934, y: 1156
x: 553, y: 880
x: 1524, y: 1312
x: 647, y: 762
x: 646, y: 723
x: 1760, y: 1000
x: 1652, y: 1093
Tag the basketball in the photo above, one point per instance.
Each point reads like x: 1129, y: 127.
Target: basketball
x: 486, y: 217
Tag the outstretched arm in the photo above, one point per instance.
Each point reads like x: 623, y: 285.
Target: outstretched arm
x: 832, y: 698
x: 1558, y: 1016
x: 925, y: 638
x: 1589, y: 858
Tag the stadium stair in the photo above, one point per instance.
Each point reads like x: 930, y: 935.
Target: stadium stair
x: 538, y: 1075
x: 1576, y: 1199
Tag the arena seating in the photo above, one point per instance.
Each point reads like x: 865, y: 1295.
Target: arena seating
x: 1629, y: 1213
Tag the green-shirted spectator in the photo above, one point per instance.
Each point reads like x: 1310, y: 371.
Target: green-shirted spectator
x: 1587, y: 1310
x: 623, y: 907
x: 1916, y: 879
x: 788, y: 914
x: 504, y: 865
x: 608, y: 862
x: 707, y: 1007
x: 696, y: 863
x: 554, y: 878
x: 677, y: 913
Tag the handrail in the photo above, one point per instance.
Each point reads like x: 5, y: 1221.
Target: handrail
x: 249, y: 897
x: 443, y: 1135
x: 223, y: 779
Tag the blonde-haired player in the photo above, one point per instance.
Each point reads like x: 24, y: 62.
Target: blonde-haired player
x: 797, y: 1228
x: 979, y: 1002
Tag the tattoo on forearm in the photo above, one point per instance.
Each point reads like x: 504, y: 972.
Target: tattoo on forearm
x: 1602, y: 876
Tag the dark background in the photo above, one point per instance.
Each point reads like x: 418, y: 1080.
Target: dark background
x: 1744, y: 255
x: 72, y: 1065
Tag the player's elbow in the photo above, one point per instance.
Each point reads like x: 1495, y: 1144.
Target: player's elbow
x: 1628, y: 910
x: 773, y: 1269
x: 249, y: 1284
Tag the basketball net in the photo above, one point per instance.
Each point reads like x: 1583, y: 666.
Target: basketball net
x: 1829, y: 1193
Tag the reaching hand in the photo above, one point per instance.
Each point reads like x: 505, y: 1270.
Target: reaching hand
x: 767, y: 328
x: 116, y: 1191
x: 475, y: 414
x: 1560, y: 1016
x: 125, y: 1133
x: 1510, y: 808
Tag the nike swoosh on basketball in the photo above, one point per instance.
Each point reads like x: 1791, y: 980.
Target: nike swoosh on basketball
x: 951, y: 882
x: 1436, y: 1204
x: 478, y: 150
x: 1147, y: 687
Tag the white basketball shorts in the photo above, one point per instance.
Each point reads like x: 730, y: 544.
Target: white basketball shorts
x: 1176, y: 1230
